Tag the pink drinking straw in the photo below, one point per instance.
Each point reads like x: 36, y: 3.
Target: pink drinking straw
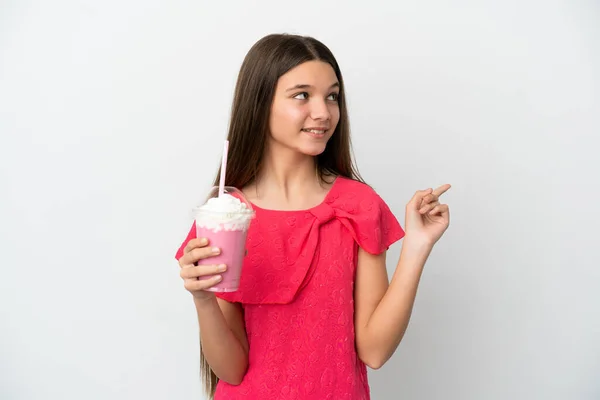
x: 223, y: 168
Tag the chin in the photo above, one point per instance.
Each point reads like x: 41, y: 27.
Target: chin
x: 312, y: 150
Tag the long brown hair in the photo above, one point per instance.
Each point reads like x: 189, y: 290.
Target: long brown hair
x: 267, y: 60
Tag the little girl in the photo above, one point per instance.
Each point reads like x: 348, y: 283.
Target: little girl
x: 315, y: 305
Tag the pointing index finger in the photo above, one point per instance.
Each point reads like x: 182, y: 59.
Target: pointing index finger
x: 441, y: 190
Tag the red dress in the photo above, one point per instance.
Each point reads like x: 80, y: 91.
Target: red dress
x: 297, y: 291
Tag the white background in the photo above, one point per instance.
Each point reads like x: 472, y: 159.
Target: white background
x: 112, y: 118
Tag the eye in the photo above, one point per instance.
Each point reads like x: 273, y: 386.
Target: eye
x: 333, y: 96
x: 301, y: 94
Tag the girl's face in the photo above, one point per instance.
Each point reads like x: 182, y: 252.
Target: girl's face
x: 305, y: 109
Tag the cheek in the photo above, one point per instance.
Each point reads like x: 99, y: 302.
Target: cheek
x: 287, y: 119
x: 334, y: 111
x: 335, y: 114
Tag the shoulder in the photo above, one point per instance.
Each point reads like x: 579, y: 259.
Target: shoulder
x: 366, y: 215
x: 353, y: 189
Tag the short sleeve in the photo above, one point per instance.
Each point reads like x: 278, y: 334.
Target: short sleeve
x: 390, y: 229
x: 370, y: 220
x: 191, y: 235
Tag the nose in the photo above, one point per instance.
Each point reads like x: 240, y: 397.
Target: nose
x: 319, y: 110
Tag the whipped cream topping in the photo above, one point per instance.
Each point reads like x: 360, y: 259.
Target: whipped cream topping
x: 225, y: 213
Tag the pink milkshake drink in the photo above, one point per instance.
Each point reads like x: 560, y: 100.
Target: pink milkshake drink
x: 224, y: 220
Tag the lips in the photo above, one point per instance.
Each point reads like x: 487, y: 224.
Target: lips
x: 316, y: 131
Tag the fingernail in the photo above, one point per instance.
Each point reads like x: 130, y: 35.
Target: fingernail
x: 203, y: 241
x: 217, y: 278
x: 221, y: 267
x: 216, y: 250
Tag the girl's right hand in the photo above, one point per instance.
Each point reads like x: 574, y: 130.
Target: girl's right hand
x: 195, y: 250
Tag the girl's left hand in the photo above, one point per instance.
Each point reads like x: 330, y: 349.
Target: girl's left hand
x: 426, y: 218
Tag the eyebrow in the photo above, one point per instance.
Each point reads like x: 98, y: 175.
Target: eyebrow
x: 304, y: 86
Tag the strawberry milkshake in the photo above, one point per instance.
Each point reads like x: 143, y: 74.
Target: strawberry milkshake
x: 224, y: 220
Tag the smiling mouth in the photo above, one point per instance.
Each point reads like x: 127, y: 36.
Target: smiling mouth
x: 315, y: 132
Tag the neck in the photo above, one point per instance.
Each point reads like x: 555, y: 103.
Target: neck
x: 286, y: 176
x: 283, y: 169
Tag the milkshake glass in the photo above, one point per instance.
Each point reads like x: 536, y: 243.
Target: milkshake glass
x: 224, y: 220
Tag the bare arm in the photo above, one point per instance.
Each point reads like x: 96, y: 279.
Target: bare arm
x: 222, y: 329
x: 223, y: 338
x: 382, y: 310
